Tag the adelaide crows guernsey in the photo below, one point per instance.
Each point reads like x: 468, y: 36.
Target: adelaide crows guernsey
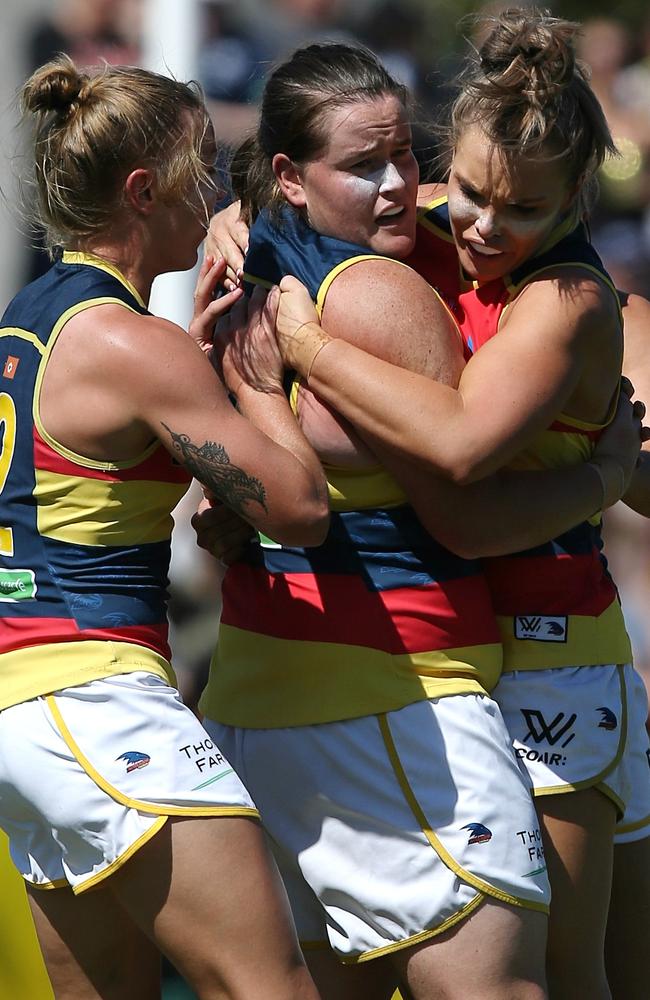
x: 84, y: 545
x: 556, y: 604
x: 378, y: 616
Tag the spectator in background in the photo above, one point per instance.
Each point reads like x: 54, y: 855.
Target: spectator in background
x: 618, y: 217
x: 90, y: 32
x: 243, y: 39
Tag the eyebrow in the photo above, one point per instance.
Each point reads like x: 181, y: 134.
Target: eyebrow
x: 526, y: 201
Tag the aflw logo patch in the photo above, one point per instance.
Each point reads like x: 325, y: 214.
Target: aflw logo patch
x: 543, y: 628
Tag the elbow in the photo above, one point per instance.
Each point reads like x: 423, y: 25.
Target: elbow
x: 307, y: 530
x: 458, y: 540
x: 459, y: 467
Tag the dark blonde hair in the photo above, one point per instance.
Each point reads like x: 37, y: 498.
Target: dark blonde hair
x: 92, y: 129
x: 297, y: 99
x: 527, y: 91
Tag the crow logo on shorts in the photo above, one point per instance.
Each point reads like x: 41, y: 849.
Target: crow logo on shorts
x: 608, y: 720
x: 134, y: 759
x: 479, y: 834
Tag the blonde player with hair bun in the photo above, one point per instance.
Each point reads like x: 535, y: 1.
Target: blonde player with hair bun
x: 130, y: 828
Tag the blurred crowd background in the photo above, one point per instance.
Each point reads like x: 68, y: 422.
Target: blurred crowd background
x: 422, y: 42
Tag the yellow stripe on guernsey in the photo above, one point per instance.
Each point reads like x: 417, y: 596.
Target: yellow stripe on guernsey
x: 36, y: 670
x: 88, y: 511
x: 99, y: 512
x: 274, y: 693
x: 591, y: 639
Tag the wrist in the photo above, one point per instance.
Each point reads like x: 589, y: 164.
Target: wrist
x: 309, y: 340
x: 612, y: 479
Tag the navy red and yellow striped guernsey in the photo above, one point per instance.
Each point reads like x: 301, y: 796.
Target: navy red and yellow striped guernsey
x: 84, y: 545
x: 556, y: 604
x: 377, y: 617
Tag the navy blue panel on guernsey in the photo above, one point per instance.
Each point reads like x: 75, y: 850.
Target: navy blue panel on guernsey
x: 579, y: 541
x: 290, y: 246
x: 91, y: 579
x: 572, y: 248
x: 39, y: 306
x: 388, y: 549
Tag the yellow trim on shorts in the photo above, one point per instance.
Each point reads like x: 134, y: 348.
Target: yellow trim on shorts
x: 409, y: 942
x: 117, y: 796
x: 598, y: 779
x: 59, y: 883
x: 144, y: 838
x: 631, y: 827
x: 443, y: 854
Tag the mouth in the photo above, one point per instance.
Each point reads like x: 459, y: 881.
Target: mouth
x: 482, y: 249
x: 390, y: 216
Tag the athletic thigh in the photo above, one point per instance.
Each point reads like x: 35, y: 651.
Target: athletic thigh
x: 578, y: 832
x: 92, y: 949
x: 511, y: 942
x: 628, y: 924
x: 208, y: 893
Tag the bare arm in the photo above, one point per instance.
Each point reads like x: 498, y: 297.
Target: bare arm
x: 148, y: 379
x: 512, y: 510
x: 510, y: 390
x: 636, y: 365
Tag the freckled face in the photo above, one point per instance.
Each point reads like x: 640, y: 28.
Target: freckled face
x: 363, y: 185
x: 501, y: 215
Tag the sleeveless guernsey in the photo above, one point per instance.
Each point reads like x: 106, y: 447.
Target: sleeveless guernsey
x: 377, y: 617
x: 84, y: 545
x: 556, y: 604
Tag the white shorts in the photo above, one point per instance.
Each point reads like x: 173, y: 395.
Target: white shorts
x: 390, y: 829
x: 90, y: 773
x: 578, y: 727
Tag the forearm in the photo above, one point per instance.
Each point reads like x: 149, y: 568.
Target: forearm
x: 513, y: 511
x: 507, y: 512
x: 294, y: 462
x: 398, y: 408
x: 637, y: 496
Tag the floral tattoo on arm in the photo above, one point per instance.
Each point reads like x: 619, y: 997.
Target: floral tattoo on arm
x: 211, y: 465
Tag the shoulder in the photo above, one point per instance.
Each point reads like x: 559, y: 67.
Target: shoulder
x: 428, y: 193
x: 566, y: 302
x: 379, y: 287
x: 113, y: 342
x: 386, y: 308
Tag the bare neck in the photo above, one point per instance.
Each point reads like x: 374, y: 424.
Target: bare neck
x: 130, y: 252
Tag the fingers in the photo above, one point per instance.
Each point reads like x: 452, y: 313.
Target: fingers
x: 639, y: 409
x: 211, y: 271
x: 627, y: 387
x: 221, y: 532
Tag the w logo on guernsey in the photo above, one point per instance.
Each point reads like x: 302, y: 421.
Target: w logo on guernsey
x: 543, y: 628
x: 134, y: 759
x: 479, y: 834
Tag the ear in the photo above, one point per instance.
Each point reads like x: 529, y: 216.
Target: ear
x: 573, y: 192
x: 139, y: 188
x: 289, y: 180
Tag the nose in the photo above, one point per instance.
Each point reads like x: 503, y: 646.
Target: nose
x: 486, y: 224
x: 391, y: 179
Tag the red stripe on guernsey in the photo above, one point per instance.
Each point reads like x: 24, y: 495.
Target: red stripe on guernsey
x: 16, y: 633
x: 340, y: 609
x: 549, y: 585
x: 557, y: 425
x: 157, y: 467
